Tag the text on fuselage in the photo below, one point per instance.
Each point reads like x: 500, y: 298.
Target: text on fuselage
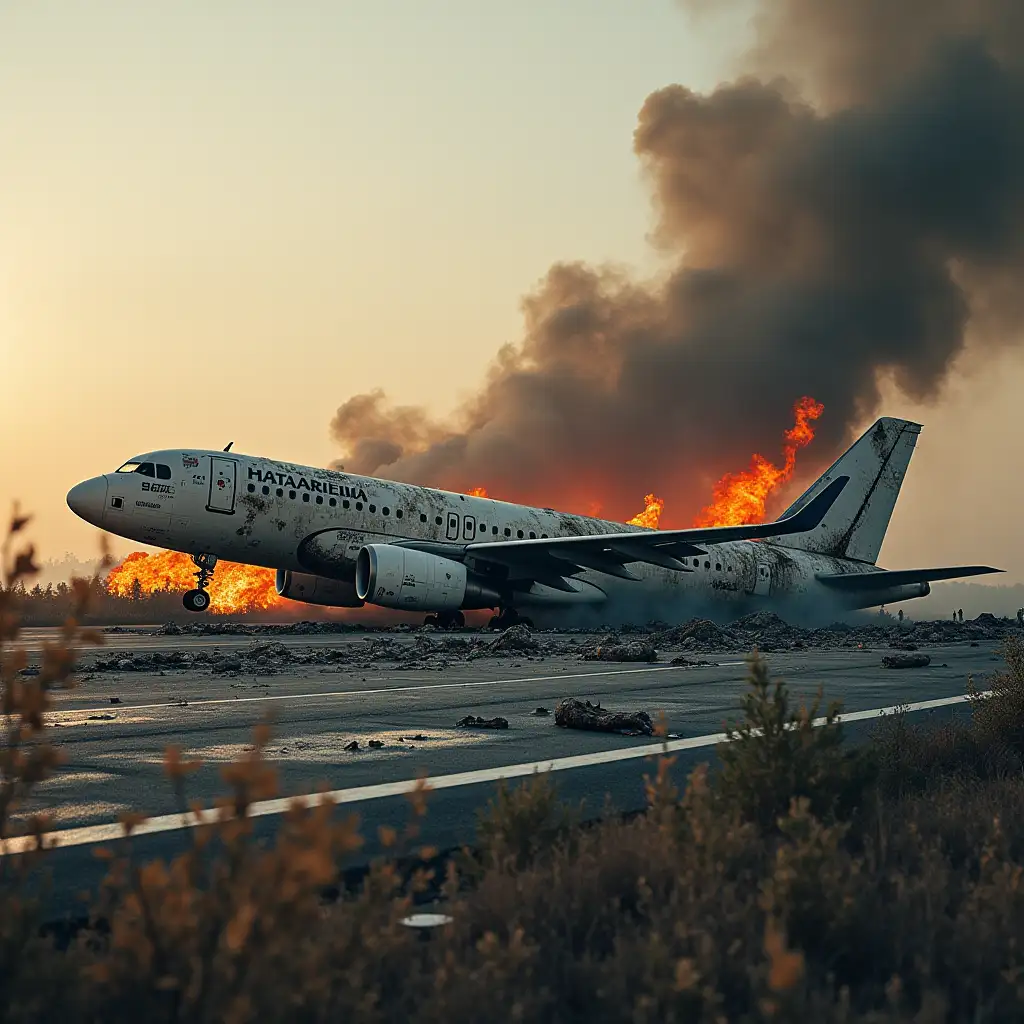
x: 300, y: 483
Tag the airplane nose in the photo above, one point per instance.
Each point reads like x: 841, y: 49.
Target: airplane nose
x: 88, y: 499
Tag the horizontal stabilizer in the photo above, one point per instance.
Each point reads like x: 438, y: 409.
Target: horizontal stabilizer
x: 898, y: 577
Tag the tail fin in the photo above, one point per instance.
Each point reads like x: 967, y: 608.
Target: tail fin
x: 855, y: 526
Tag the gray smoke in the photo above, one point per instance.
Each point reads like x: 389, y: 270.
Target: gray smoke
x: 845, y: 223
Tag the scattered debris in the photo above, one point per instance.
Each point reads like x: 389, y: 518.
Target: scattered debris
x: 472, y: 722
x: 539, y: 712
x: 516, y: 638
x: 417, y: 648
x: 418, y: 738
x: 101, y: 718
x: 700, y: 633
x: 634, y: 650
x: 376, y: 744
x: 906, y: 661
x: 685, y: 662
x: 115, y: 700
x: 577, y: 714
x: 353, y: 745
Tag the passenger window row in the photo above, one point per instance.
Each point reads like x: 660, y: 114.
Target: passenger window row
x: 385, y: 510
x: 707, y: 565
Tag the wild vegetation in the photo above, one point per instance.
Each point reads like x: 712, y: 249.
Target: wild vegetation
x: 797, y: 879
x: 50, y: 605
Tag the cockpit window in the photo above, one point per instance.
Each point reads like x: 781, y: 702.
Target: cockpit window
x: 145, y: 468
x: 163, y: 472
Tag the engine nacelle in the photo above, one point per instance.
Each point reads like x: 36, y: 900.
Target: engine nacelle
x: 300, y: 586
x: 396, y: 577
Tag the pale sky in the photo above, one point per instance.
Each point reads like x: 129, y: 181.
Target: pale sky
x: 219, y: 221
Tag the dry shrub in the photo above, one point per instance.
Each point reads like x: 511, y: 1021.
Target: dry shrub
x: 31, y: 975
x: 776, y: 754
x: 987, y: 745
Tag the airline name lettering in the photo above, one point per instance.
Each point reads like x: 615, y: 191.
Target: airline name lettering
x: 300, y: 483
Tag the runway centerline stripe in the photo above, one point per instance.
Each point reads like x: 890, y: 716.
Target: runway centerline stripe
x: 112, y: 831
x: 388, y: 689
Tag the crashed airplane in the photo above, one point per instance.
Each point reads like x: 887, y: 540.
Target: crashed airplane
x: 344, y: 541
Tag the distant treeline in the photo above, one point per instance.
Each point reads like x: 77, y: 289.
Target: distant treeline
x: 50, y: 605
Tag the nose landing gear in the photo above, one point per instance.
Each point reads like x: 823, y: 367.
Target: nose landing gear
x: 198, y: 600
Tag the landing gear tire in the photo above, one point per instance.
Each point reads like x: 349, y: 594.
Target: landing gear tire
x: 198, y: 600
x: 508, y: 617
x: 446, y: 620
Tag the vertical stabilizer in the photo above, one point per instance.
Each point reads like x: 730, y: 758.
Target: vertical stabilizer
x: 855, y: 526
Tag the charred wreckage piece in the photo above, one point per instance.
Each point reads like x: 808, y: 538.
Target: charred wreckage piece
x: 572, y: 713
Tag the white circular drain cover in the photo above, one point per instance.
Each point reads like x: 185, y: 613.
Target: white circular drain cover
x: 426, y: 920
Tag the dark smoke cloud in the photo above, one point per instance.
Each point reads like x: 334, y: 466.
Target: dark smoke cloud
x: 830, y: 228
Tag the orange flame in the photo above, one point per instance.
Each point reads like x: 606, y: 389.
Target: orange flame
x: 740, y: 498
x: 651, y: 515
x: 478, y: 492
x: 235, y: 588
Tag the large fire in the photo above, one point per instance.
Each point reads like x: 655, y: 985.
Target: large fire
x: 235, y: 587
x: 739, y: 498
x: 651, y: 515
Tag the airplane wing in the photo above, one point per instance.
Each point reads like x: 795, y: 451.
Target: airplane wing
x: 883, y: 578
x: 549, y: 559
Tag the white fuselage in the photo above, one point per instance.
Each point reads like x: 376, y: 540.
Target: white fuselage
x: 315, y: 521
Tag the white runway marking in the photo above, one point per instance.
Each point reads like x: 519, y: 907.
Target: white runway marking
x: 388, y: 689
x: 360, y: 794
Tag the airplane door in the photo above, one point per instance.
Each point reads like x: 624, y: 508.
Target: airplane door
x: 452, y: 528
x: 222, y: 485
x: 469, y: 527
x: 763, y: 583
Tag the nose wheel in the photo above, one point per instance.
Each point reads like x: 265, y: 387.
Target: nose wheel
x: 198, y: 600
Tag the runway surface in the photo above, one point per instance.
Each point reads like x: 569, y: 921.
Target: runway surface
x: 115, y: 751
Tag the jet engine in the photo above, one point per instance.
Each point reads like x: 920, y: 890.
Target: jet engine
x: 396, y: 577
x: 299, y: 586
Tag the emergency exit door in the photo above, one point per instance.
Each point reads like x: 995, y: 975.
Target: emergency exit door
x: 763, y: 582
x: 223, y: 473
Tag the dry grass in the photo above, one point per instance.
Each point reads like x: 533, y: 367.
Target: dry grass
x: 800, y: 881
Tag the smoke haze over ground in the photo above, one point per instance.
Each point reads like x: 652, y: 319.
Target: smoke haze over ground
x: 857, y: 219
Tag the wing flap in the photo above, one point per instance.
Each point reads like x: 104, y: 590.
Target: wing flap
x: 898, y: 577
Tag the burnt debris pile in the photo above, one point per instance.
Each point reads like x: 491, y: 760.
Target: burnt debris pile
x: 581, y: 714
x: 611, y: 648
x: 434, y: 650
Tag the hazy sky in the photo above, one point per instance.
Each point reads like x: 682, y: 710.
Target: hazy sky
x: 217, y: 222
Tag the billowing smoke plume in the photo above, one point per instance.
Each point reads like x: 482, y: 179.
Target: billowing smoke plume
x: 849, y: 222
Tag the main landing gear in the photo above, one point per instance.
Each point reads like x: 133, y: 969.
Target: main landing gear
x: 198, y: 600
x: 508, y: 617
x: 446, y: 620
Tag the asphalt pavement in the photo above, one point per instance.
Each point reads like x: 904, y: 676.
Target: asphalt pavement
x: 116, y: 726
